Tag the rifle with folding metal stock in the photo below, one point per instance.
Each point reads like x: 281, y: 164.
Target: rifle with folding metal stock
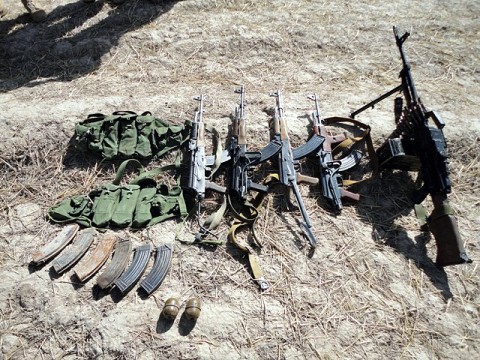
x: 416, y: 145
x: 196, y: 172
x: 288, y: 165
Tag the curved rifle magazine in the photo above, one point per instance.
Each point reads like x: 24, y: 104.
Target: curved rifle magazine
x: 311, y: 146
x: 139, y: 263
x: 90, y: 264
x: 269, y: 151
x: 159, y: 270
x: 57, y: 244
x: 74, y: 252
x: 117, y: 265
x: 350, y: 160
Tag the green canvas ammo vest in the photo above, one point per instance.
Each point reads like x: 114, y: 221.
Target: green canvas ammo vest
x: 127, y: 135
x: 140, y: 203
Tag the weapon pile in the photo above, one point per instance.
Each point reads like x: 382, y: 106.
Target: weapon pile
x: 414, y: 145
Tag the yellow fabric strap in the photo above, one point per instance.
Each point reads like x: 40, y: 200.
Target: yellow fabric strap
x: 350, y: 182
x: 242, y: 245
x: 218, y: 148
x: 214, y: 219
x: 247, y: 217
x: 345, y: 144
x: 210, y: 223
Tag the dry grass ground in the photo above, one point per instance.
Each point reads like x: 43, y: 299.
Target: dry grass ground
x: 371, y: 290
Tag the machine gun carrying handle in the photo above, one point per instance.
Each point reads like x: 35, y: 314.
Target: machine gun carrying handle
x: 436, y: 119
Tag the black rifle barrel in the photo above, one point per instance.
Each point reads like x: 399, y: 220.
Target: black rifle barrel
x: 407, y: 79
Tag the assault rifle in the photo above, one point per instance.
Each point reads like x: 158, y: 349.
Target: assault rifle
x: 287, y: 165
x: 330, y: 168
x: 242, y: 160
x: 196, y: 174
x: 416, y: 145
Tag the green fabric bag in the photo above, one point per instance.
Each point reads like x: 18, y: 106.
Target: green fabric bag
x: 144, y: 136
x: 140, y: 203
x: 76, y: 209
x: 127, y: 137
x: 104, y: 204
x: 124, y: 134
x: 143, y: 213
x: 110, y: 139
x: 123, y: 214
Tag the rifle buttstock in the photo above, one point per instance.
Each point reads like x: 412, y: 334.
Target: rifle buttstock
x: 306, y: 179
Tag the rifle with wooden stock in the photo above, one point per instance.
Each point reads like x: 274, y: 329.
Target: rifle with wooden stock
x: 243, y: 161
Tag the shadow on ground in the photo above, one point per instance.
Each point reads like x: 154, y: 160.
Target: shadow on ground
x: 66, y: 46
x: 386, y: 198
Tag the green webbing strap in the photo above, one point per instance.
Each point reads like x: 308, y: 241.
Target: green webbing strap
x: 122, y: 168
x: 154, y: 172
x: 218, y: 148
x: 143, y: 174
x: 214, y: 219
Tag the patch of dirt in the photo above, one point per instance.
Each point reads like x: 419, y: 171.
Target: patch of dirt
x: 371, y: 290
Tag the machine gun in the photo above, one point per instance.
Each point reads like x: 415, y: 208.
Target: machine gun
x: 287, y: 166
x: 330, y: 168
x: 416, y: 145
x: 196, y: 174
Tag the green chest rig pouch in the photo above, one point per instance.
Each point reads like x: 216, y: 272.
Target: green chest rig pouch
x: 139, y: 203
x: 127, y: 135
